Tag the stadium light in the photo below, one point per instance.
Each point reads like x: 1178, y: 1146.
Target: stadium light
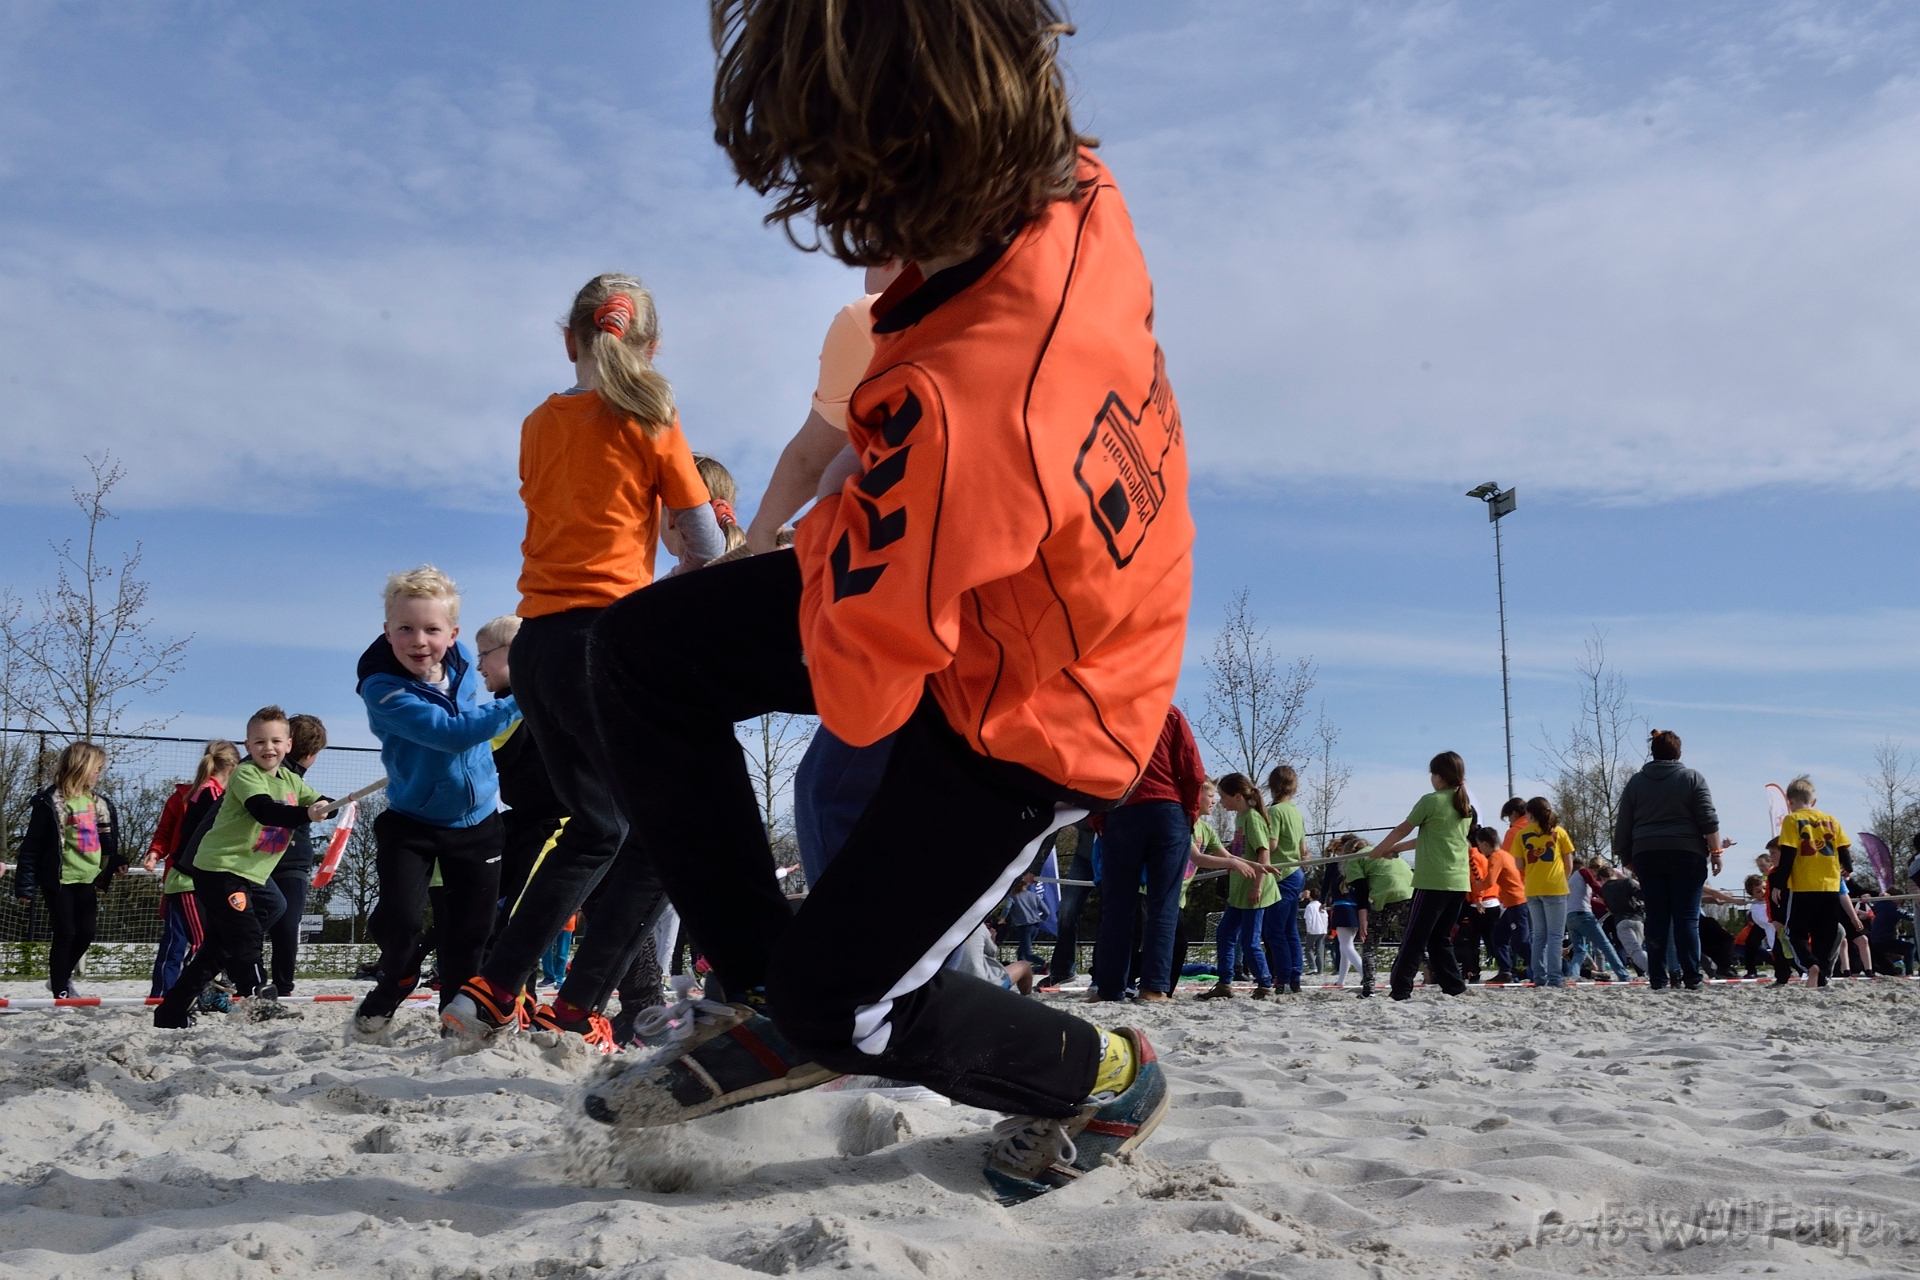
x: 1500, y: 503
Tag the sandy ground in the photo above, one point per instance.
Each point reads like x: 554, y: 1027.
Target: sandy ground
x: 1591, y: 1132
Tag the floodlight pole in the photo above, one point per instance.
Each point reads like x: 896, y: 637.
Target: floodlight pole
x: 1501, y: 503
x: 1506, y: 689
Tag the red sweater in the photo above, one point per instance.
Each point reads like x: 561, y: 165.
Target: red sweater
x: 1173, y: 771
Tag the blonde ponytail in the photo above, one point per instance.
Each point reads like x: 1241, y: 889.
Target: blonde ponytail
x: 220, y: 755
x: 614, y: 318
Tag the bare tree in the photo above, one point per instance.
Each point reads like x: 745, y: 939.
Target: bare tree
x: 1326, y: 776
x: 1255, y: 707
x: 1895, y: 814
x: 1601, y: 751
x: 773, y: 745
x: 90, y: 649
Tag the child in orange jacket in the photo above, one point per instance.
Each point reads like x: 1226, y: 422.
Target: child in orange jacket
x: 1002, y: 584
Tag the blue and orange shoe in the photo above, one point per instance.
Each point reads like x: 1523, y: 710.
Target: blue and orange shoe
x: 481, y: 1011
x: 719, y: 1056
x: 1032, y: 1155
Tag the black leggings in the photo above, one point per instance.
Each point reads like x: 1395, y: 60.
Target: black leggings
x: 855, y: 977
x: 469, y: 859
x: 1816, y: 924
x: 74, y: 911
x: 1430, y: 931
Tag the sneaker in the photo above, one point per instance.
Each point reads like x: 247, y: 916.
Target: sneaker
x: 376, y: 1011
x: 1220, y: 991
x: 722, y: 1056
x: 216, y: 998
x: 481, y: 1011
x: 594, y: 1029
x: 1032, y: 1156
x: 1293, y: 988
x: 1261, y: 992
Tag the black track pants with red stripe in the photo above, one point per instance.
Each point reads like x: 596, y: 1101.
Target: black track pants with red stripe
x: 234, y: 940
x: 853, y: 978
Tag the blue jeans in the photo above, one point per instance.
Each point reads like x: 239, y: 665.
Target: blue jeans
x: 1280, y: 931
x: 1153, y: 838
x: 1670, y: 885
x: 1021, y: 935
x: 1240, y: 932
x: 1509, y: 944
x: 1547, y: 922
x: 1585, y: 929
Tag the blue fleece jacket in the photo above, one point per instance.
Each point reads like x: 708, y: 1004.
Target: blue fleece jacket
x: 435, y: 746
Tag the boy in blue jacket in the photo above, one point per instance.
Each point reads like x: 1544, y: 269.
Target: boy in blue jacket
x: 422, y: 692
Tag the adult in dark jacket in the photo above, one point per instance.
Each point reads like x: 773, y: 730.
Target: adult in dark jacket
x: 1668, y: 832
x: 70, y: 854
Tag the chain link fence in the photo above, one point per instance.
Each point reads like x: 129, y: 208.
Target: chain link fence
x: 142, y: 770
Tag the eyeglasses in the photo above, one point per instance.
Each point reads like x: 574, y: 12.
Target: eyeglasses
x: 497, y: 648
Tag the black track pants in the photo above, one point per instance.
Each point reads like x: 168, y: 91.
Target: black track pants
x: 854, y: 977
x: 469, y: 859
x: 234, y: 938
x: 1430, y: 934
x: 550, y: 682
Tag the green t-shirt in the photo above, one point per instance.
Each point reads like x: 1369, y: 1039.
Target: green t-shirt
x: 79, y: 842
x: 177, y: 881
x: 1388, y: 880
x: 1440, y: 853
x: 1255, y: 836
x: 1288, y: 829
x: 1209, y: 841
x: 236, y: 843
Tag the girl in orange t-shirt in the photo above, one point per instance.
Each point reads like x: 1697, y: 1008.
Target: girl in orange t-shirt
x: 598, y: 463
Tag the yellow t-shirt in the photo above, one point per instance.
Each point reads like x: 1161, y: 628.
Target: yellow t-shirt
x: 1546, y: 859
x: 1819, y: 871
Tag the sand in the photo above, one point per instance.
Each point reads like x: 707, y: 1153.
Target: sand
x: 1590, y: 1132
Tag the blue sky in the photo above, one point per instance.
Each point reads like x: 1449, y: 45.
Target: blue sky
x: 1656, y: 265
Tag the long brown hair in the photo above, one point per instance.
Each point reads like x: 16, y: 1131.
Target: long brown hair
x: 1452, y: 772
x: 907, y: 130
x: 71, y: 771
x: 1543, y: 815
x: 1240, y: 786
x: 622, y: 347
x: 1284, y: 781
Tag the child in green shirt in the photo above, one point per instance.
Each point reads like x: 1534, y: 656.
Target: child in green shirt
x: 1248, y: 896
x: 1280, y: 929
x: 1440, y: 877
x: 264, y: 801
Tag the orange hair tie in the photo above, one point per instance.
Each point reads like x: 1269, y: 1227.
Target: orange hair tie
x: 723, y: 512
x: 614, y: 315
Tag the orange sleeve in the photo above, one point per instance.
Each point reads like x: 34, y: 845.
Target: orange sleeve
x: 880, y: 610
x: 675, y: 476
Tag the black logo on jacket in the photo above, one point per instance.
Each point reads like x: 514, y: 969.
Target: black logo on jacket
x: 1121, y: 464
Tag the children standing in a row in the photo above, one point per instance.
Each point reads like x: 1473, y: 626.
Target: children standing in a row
x: 181, y: 932
x: 263, y: 802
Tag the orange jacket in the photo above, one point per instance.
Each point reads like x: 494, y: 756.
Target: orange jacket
x: 1020, y: 544
x: 1480, y: 885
